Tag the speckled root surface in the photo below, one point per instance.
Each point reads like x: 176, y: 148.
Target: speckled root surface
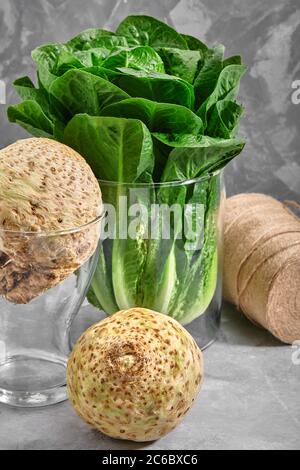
x: 47, y: 189
x: 135, y: 375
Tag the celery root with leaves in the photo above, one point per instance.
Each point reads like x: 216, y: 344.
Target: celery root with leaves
x: 144, y: 104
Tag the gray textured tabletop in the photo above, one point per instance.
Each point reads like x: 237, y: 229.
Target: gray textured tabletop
x: 250, y: 400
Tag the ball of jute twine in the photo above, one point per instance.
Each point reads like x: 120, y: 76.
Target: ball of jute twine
x: 262, y: 262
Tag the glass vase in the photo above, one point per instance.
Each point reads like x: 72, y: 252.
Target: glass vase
x: 44, y: 278
x: 162, y: 250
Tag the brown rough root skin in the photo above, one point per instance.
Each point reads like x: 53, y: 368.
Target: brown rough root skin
x: 45, y: 187
x: 134, y: 375
x: 262, y: 263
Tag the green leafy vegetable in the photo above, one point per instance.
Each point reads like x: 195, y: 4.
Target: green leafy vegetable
x: 106, y: 143
x: 226, y: 88
x: 158, y: 117
x: 144, y: 105
x: 140, y: 58
x: 96, y: 38
x: 31, y: 117
x: 224, y: 119
x: 101, y: 294
x: 181, y: 63
x: 185, y: 163
x: 196, y: 287
x: 117, y: 149
x: 88, y: 39
x: 208, y: 75
x: 46, y: 57
x: 153, y: 86
x: 148, y: 31
x: 78, y: 91
x: 194, y: 44
x: 234, y: 60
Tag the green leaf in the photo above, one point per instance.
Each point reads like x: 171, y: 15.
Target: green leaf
x: 30, y: 115
x: 108, y: 42
x: 198, y: 287
x: 178, y: 140
x: 198, y: 284
x: 23, y: 83
x: 198, y: 196
x: 58, y: 132
x: 163, y: 117
x: 160, y: 272
x: 128, y: 266
x: 47, y: 54
x: 93, y: 57
x: 46, y: 57
x: 45, y: 78
x: 224, y: 119
x: 93, y: 299
x: 153, y: 86
x: 101, y: 293
x: 78, y: 91
x: 227, y: 87
x: 234, y: 60
x: 117, y: 149
x: 159, y: 275
x: 185, y: 163
x: 94, y: 38
x: 140, y: 58
x: 181, y: 63
x: 194, y: 44
x: 169, y: 118
x: 79, y: 59
x: 27, y: 91
x: 183, y: 285
x: 208, y: 75
x: 87, y: 39
x: 67, y: 60
x: 148, y: 31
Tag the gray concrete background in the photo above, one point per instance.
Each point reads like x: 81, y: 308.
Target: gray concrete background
x: 251, y: 396
x: 265, y: 32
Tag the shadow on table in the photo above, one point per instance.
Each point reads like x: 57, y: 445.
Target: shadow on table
x: 237, y: 329
x: 106, y: 443
x: 71, y: 433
